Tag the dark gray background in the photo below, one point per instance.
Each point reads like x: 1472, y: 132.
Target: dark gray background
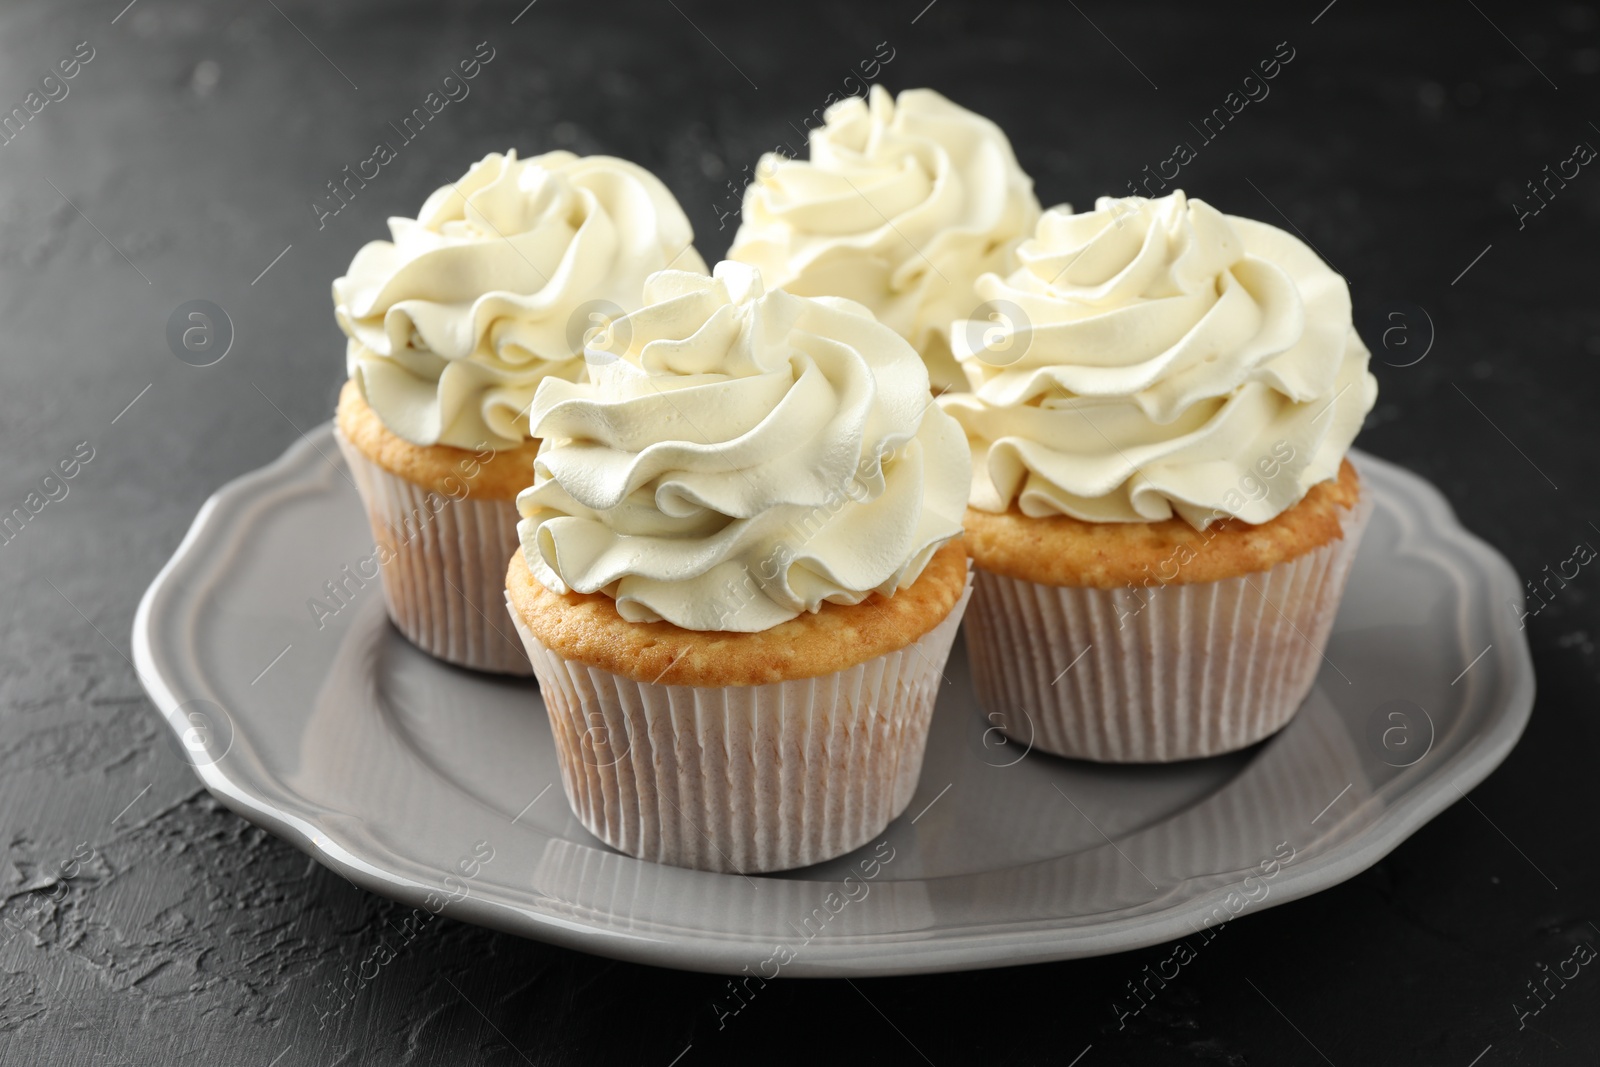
x: 193, y: 144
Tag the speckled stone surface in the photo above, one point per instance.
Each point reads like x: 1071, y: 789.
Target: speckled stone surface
x: 141, y: 923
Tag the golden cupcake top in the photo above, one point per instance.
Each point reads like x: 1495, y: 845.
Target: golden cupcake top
x: 1060, y: 550
x: 453, y: 473
x: 588, y: 629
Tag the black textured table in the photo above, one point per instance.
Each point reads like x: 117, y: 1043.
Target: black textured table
x: 186, y: 157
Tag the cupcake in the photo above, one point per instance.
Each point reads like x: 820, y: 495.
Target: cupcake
x: 1162, y: 516
x: 903, y: 204
x: 741, y: 574
x: 451, y: 327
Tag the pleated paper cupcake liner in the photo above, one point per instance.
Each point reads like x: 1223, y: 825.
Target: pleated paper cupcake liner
x: 743, y: 778
x: 444, y: 579
x: 1159, y: 673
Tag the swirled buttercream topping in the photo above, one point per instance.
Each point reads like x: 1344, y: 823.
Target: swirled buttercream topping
x: 902, y: 205
x: 1154, y: 357
x: 491, y: 288
x: 739, y: 456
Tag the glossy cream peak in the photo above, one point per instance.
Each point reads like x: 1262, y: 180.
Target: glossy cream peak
x: 490, y: 289
x: 739, y: 456
x: 902, y: 205
x: 1154, y: 357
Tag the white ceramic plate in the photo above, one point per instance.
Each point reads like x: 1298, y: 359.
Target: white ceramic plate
x: 439, y: 787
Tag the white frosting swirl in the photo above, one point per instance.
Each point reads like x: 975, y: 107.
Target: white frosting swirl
x: 1156, y: 356
x: 903, y: 204
x: 739, y: 457
x: 454, y: 323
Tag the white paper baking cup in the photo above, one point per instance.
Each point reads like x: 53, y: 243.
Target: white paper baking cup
x: 1195, y: 670
x: 743, y: 778
x: 445, y: 579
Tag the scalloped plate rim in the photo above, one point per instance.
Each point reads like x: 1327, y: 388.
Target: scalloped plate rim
x: 971, y: 947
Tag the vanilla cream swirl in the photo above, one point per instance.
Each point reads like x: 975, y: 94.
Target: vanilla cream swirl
x: 454, y: 323
x: 902, y: 205
x: 1154, y: 357
x: 740, y: 456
